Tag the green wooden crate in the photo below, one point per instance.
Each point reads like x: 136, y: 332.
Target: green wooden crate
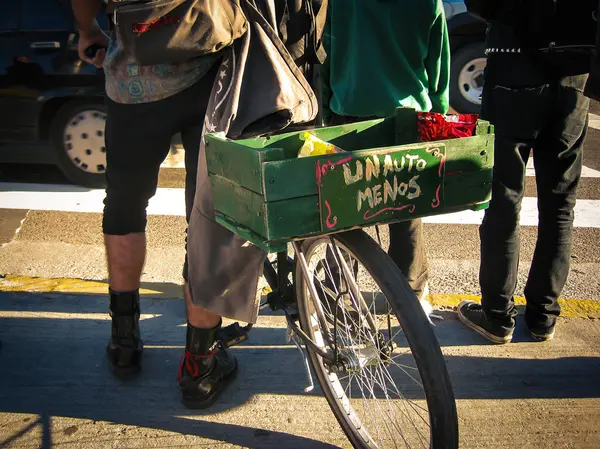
x: 265, y: 193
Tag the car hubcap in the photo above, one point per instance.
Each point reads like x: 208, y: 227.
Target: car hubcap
x: 470, y: 80
x: 84, y: 141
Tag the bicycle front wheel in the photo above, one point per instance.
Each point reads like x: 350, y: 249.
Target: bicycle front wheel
x: 388, y: 386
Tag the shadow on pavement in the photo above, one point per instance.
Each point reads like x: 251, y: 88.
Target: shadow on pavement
x: 54, y: 365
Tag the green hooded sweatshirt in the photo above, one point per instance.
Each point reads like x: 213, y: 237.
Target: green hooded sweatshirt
x: 383, y: 54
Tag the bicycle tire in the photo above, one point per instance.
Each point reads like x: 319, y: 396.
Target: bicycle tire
x: 419, y: 335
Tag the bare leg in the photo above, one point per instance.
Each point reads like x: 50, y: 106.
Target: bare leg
x: 197, y: 316
x: 125, y: 255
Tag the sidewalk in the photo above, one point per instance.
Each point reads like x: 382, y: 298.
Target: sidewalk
x: 56, y: 390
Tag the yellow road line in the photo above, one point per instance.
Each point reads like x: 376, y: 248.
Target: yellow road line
x: 45, y: 315
x: 571, y: 308
x: 11, y: 283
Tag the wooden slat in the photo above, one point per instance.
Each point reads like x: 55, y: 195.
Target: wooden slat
x: 243, y: 206
x: 469, y: 154
x: 483, y: 128
x: 300, y: 217
x: 293, y: 178
x: 350, y: 137
x: 468, y: 188
x: 405, y: 123
x: 268, y: 221
x: 237, y: 162
x: 252, y: 237
x: 292, y: 218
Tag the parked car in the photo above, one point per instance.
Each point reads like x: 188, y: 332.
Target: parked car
x: 467, y: 36
x: 47, y: 95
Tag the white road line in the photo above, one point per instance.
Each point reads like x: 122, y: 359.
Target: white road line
x: 80, y: 199
x: 171, y: 202
x: 586, y: 172
x: 587, y: 215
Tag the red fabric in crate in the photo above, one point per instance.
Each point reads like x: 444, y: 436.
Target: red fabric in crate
x: 434, y: 126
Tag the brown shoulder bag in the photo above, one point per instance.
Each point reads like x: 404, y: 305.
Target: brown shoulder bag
x: 173, y: 31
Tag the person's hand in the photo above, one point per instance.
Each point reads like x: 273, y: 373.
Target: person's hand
x: 93, y: 37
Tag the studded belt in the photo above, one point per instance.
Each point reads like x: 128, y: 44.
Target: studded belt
x: 489, y: 51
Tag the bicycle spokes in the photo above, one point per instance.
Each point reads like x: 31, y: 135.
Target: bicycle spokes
x: 374, y: 375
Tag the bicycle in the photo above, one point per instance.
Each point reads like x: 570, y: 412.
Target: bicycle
x: 366, y: 336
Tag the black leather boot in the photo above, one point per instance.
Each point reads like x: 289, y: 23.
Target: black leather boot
x: 205, y: 369
x: 124, y: 348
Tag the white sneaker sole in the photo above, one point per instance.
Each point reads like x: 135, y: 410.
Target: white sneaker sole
x: 481, y: 331
x: 541, y: 338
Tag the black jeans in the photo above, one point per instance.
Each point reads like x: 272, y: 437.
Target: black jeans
x: 531, y: 110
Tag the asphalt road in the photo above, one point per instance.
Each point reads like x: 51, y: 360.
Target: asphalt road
x: 56, y: 390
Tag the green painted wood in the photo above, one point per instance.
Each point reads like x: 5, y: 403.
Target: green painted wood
x: 249, y: 235
x: 405, y: 123
x: 480, y: 206
x: 269, y: 221
x: 300, y: 217
x: 292, y: 178
x: 394, y: 184
x: 469, y: 154
x: 350, y: 137
x: 484, y: 128
x: 295, y: 217
x: 468, y: 188
x: 237, y: 162
x: 245, y: 207
x: 268, y: 195
x: 242, y: 160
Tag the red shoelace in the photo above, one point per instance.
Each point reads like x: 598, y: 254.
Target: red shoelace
x: 190, y: 363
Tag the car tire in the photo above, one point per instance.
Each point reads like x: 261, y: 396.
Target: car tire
x: 466, y: 78
x: 77, y: 134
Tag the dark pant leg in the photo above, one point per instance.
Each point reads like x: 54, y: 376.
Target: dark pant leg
x: 519, y: 114
x: 499, y: 231
x: 407, y: 250
x: 558, y: 163
x: 138, y: 138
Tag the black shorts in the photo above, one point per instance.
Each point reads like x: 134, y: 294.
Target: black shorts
x: 138, y: 139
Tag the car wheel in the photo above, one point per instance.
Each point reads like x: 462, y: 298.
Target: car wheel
x: 78, y: 137
x: 466, y: 78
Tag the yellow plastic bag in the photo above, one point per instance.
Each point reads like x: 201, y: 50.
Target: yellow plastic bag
x: 313, y: 146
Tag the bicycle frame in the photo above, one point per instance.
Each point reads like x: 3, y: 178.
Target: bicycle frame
x: 283, y: 295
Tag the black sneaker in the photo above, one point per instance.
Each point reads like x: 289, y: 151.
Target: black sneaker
x: 204, y: 377
x: 471, y: 314
x: 542, y: 334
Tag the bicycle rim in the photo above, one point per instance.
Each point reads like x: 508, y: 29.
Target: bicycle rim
x: 390, y: 384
